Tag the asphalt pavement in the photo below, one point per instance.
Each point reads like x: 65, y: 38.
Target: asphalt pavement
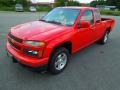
x: 93, y: 68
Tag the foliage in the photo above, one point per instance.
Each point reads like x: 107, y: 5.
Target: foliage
x: 7, y: 8
x: 23, y: 2
x: 6, y: 3
x: 108, y: 12
x: 73, y: 3
x: 43, y: 8
x: 10, y: 3
x: 106, y: 2
x: 114, y: 3
x: 60, y: 2
x: 67, y: 3
x: 97, y: 2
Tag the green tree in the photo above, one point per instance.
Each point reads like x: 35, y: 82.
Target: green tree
x: 118, y: 4
x: 23, y: 2
x: 73, y: 3
x: 7, y: 3
x: 61, y: 2
x: 97, y: 2
x: 113, y: 3
x: 67, y: 3
x: 93, y: 3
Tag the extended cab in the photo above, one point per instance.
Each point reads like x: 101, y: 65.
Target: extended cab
x: 63, y: 31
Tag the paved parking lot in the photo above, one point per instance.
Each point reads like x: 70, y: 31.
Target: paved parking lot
x: 94, y: 68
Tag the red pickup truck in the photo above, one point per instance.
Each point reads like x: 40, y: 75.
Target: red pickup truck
x: 50, y: 40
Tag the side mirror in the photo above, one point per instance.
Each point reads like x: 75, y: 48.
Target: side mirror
x: 41, y: 17
x: 84, y: 24
x: 98, y: 21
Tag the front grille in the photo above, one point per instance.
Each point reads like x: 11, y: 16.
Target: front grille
x: 15, y: 38
x: 15, y: 46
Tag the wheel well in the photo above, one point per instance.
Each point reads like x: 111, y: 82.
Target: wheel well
x: 67, y: 45
x: 108, y: 29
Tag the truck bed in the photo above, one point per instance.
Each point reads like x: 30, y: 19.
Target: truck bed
x: 106, y: 19
x: 108, y: 22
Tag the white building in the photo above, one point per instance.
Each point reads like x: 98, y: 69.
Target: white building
x: 101, y: 7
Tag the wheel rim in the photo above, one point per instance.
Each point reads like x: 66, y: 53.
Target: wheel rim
x: 61, y: 61
x: 106, y: 38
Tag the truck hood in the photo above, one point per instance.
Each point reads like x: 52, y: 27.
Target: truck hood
x: 37, y: 30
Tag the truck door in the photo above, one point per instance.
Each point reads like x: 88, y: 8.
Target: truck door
x: 84, y: 36
x: 99, y: 26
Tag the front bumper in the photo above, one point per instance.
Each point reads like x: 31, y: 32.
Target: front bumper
x: 19, y: 10
x: 26, y: 60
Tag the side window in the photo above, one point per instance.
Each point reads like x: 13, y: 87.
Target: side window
x: 88, y: 16
x: 97, y: 15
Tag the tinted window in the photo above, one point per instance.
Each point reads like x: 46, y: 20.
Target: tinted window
x: 88, y: 16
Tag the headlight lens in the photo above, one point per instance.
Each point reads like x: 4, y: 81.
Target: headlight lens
x: 35, y: 43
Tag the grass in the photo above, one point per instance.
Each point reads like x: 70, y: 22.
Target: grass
x: 7, y: 8
x: 110, y: 12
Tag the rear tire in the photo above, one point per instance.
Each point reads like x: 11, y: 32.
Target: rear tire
x: 58, y: 60
x: 105, y: 38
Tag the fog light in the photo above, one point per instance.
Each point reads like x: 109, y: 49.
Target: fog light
x: 34, y: 52
x: 31, y: 52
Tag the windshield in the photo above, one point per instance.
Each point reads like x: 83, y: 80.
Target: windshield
x: 32, y: 7
x: 63, y: 16
x: 18, y: 5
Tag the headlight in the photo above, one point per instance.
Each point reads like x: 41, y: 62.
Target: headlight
x: 35, y: 43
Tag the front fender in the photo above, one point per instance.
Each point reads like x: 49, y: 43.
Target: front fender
x: 55, y: 43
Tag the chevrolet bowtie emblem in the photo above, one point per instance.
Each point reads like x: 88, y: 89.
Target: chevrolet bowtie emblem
x: 13, y: 41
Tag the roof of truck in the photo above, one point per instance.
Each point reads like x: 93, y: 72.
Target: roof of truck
x: 76, y: 7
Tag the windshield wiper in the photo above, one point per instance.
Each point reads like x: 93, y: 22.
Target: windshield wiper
x: 55, y: 22
x: 43, y: 20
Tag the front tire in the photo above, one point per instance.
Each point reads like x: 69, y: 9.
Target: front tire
x: 58, y: 60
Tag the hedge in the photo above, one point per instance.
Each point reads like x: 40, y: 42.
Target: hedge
x: 110, y: 12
